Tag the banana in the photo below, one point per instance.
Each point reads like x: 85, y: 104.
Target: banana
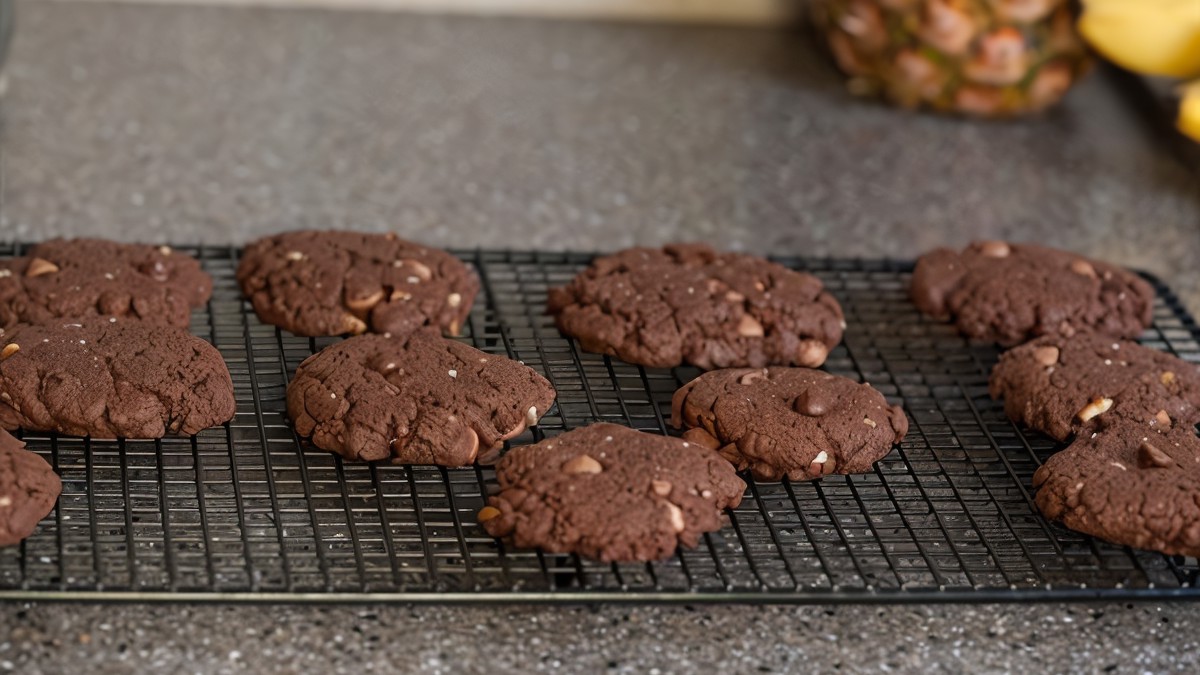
x: 1154, y: 37
x: 1189, y: 110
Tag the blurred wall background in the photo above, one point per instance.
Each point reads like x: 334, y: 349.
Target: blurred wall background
x: 756, y: 12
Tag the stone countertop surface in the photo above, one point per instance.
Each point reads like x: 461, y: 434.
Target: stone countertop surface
x: 216, y: 125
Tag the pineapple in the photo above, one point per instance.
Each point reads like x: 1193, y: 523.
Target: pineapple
x: 991, y: 58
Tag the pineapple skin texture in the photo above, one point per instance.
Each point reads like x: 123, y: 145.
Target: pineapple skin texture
x: 985, y: 58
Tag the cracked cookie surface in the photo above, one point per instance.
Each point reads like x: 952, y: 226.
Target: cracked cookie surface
x: 1010, y: 293
x: 92, y: 277
x: 1061, y: 386
x: 687, y: 303
x: 1130, y: 483
x: 317, y: 283
x: 109, y: 377
x: 415, y: 399
x: 610, y: 493
x: 794, y: 422
x: 29, y: 489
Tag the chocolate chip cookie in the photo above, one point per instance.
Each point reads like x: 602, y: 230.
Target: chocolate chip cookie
x: 1130, y: 483
x: 610, y: 493
x: 1010, y: 293
x: 90, y: 277
x: 109, y: 378
x: 28, y: 490
x: 415, y: 399
x: 793, y: 422
x: 334, y: 283
x: 1060, y: 385
x: 691, y: 304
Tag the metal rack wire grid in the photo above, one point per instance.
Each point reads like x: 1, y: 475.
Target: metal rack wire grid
x: 247, y: 511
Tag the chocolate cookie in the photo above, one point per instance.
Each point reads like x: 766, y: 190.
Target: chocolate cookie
x: 109, y: 377
x: 610, y: 493
x: 1010, y: 293
x: 1131, y: 483
x: 416, y: 399
x: 792, y: 422
x: 29, y: 489
x: 690, y: 304
x: 1060, y: 385
x: 90, y: 277
x: 333, y: 283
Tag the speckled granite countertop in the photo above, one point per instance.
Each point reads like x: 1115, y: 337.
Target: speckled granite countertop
x: 216, y: 125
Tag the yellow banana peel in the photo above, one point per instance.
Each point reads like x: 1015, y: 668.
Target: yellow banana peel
x: 1154, y: 37
x: 1189, y: 110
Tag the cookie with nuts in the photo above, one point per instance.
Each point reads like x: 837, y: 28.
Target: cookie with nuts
x: 1009, y: 293
x: 1061, y: 386
x: 109, y: 378
x: 29, y: 489
x: 335, y: 283
x: 94, y: 277
x: 1130, y: 483
x: 687, y: 303
x: 797, y: 423
x: 416, y: 398
x: 610, y: 493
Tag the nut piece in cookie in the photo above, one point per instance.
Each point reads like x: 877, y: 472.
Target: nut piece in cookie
x: 109, y: 378
x: 335, y: 283
x: 691, y: 304
x: 1061, y: 386
x: 794, y: 422
x: 610, y: 493
x: 28, y: 490
x: 90, y: 277
x: 1131, y: 483
x: 417, y: 398
x: 1010, y: 293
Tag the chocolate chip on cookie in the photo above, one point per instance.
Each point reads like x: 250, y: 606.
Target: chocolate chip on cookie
x: 690, y: 304
x: 416, y: 399
x: 1131, y: 483
x: 1061, y: 385
x: 333, y: 283
x: 610, y: 493
x: 110, y: 377
x: 1010, y: 293
x: 28, y: 490
x: 793, y: 422
x: 90, y: 277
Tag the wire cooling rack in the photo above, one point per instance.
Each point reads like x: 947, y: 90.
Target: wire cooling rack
x: 247, y: 512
